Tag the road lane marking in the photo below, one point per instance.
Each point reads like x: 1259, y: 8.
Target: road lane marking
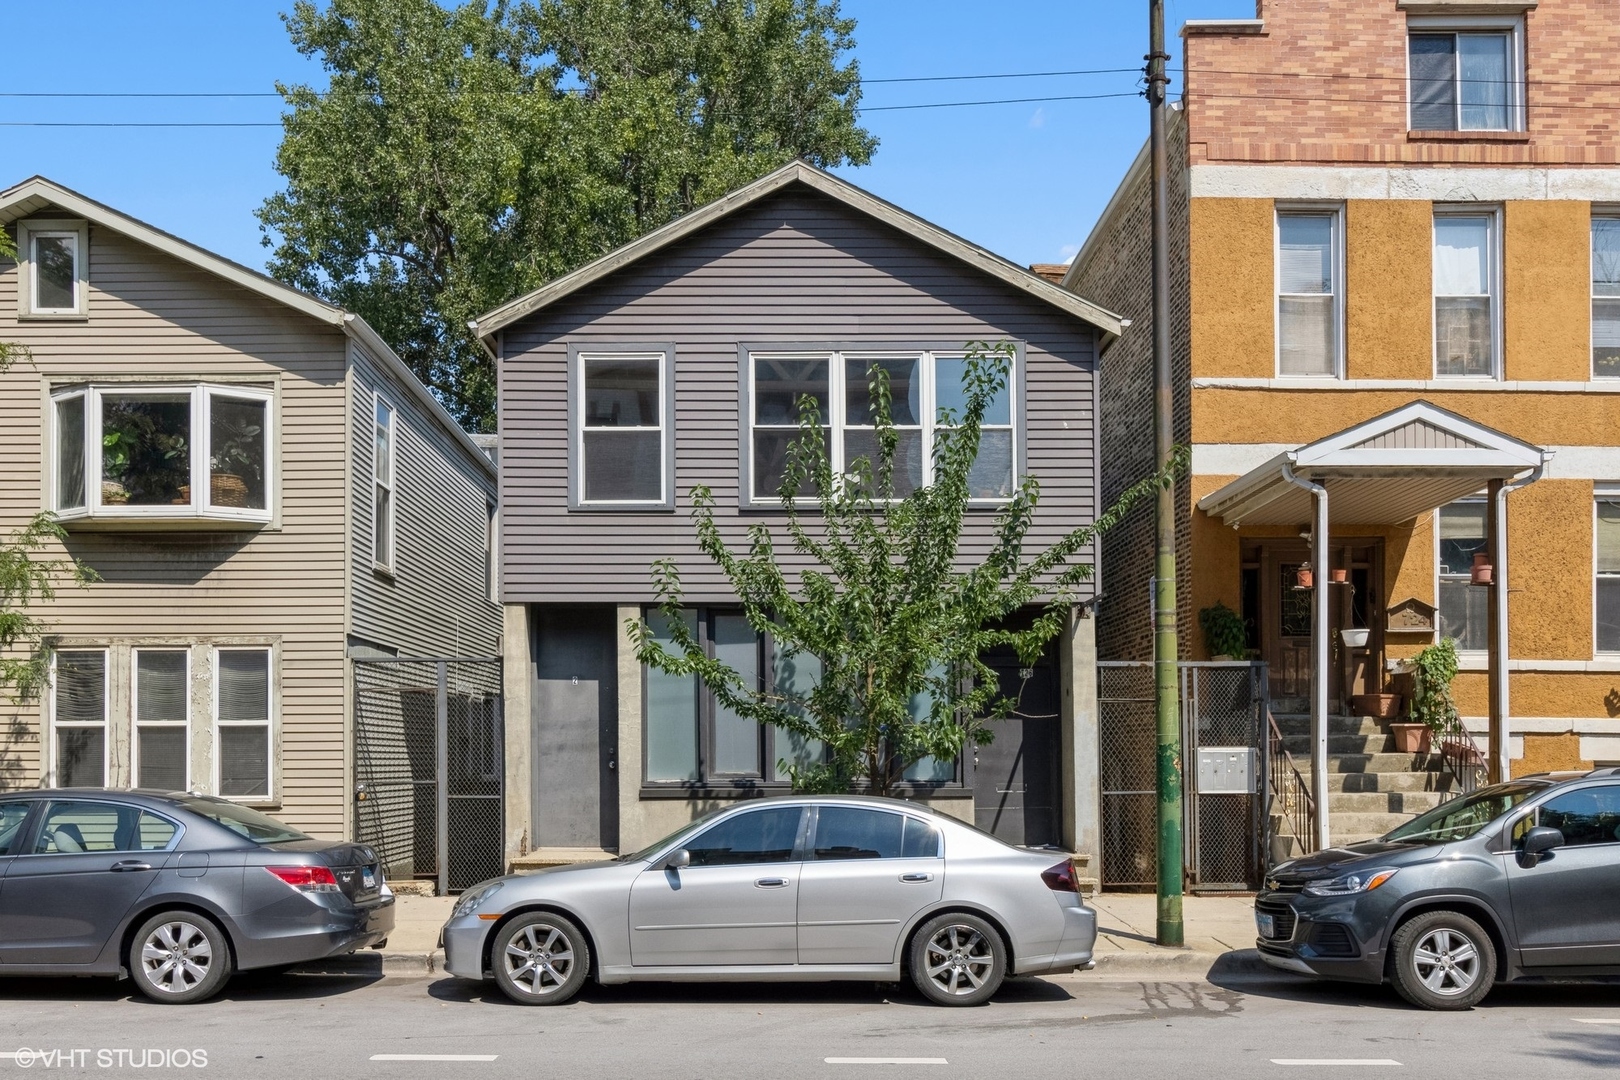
x: 433, y: 1057
x: 886, y: 1061
x: 1334, y: 1061
x: 1578, y: 1020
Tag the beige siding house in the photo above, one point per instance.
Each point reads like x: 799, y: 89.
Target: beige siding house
x: 265, y: 492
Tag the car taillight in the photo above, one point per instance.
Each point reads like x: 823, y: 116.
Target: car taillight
x: 306, y: 878
x: 1060, y: 878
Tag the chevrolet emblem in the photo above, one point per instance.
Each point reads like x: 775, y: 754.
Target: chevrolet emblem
x: 1273, y: 884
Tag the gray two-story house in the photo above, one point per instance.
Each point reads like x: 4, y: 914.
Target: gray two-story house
x: 674, y: 362
x: 266, y: 493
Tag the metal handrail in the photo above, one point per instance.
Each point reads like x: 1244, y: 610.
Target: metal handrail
x: 1462, y: 757
x: 1290, y: 794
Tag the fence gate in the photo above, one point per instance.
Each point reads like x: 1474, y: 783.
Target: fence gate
x: 429, y: 773
x: 1223, y: 716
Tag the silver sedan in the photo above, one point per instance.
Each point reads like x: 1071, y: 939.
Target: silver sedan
x: 793, y: 889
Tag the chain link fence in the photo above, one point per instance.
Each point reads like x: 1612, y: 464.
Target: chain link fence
x: 1127, y: 739
x: 429, y: 770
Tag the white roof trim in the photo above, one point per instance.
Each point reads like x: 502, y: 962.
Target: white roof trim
x: 32, y: 194
x: 490, y: 322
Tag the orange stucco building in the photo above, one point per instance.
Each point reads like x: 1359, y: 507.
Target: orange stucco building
x: 1395, y: 232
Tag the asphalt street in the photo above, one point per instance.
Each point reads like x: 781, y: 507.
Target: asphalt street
x: 297, y: 1025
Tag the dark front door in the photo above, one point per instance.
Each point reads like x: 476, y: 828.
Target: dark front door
x: 575, y: 737
x: 1565, y: 906
x: 1285, y: 623
x: 1016, y: 783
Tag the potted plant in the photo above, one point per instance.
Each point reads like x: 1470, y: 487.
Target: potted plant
x: 1226, y: 637
x: 1434, y: 712
x: 235, y: 462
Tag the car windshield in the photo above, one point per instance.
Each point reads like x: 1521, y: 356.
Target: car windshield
x: 255, y: 826
x: 1463, y: 817
x: 679, y: 834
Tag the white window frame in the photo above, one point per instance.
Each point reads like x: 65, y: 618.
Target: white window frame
x: 837, y: 398
x: 1479, y: 498
x: 32, y: 229
x: 380, y: 404
x: 1600, y: 493
x: 135, y: 721
x: 50, y: 769
x: 1494, y: 249
x: 1599, y: 213
x: 270, y: 723
x: 1336, y: 212
x: 1512, y: 25
x: 665, y: 355
x: 201, y: 397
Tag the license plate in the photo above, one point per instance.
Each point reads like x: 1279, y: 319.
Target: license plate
x: 368, y: 878
x: 1267, y: 924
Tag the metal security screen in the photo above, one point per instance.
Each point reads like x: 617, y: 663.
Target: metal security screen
x: 429, y: 772
x: 1127, y: 748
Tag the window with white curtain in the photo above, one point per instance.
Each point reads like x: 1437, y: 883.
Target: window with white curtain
x: 242, y: 712
x: 1465, y: 307
x: 162, y: 713
x: 1607, y: 562
x: 1308, y: 294
x: 79, y: 717
x: 1464, y: 607
x: 1465, y: 79
x: 1606, y: 296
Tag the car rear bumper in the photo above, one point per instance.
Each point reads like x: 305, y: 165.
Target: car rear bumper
x: 1075, y: 948
x: 328, y: 931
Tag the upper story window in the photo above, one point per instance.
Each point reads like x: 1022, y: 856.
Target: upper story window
x: 928, y: 395
x: 1309, y: 308
x: 1607, y: 562
x: 1466, y: 313
x: 52, y: 271
x: 131, y: 452
x: 1466, y: 75
x: 621, y: 421
x: 382, y: 475
x: 1606, y: 296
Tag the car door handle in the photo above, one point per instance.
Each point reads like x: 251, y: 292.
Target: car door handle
x: 128, y: 865
x: 771, y: 883
x: 916, y: 877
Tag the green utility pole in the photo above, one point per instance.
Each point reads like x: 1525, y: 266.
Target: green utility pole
x: 1165, y: 649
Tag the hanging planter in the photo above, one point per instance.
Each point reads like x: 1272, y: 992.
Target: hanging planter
x: 1304, y: 577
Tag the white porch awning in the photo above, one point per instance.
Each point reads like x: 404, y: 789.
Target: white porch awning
x: 1389, y: 469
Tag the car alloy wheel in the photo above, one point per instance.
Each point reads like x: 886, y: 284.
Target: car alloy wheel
x: 958, y: 960
x: 540, y: 959
x: 179, y: 957
x: 1447, y: 962
x: 1442, y: 960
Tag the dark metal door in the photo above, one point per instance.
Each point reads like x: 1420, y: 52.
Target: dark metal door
x: 1016, y: 787
x: 575, y: 727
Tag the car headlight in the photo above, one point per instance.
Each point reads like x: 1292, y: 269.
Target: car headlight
x: 1349, y: 884
x: 471, y: 899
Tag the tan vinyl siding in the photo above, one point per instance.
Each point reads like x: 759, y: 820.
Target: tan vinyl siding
x: 795, y: 267
x: 436, y: 602
x: 154, y: 316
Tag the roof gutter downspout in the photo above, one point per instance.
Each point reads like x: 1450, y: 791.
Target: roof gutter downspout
x: 1498, y: 734
x: 1319, y: 652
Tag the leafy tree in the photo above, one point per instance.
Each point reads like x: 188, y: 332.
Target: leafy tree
x: 461, y: 156
x: 898, y: 631
x: 25, y: 654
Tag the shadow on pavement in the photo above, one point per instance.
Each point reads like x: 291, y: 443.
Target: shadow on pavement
x: 271, y: 985
x: 1013, y: 991
x: 1525, y: 993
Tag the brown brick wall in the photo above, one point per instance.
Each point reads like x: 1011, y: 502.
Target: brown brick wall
x: 1326, y: 82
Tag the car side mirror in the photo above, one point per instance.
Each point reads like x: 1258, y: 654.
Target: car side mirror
x: 681, y: 857
x: 1541, y: 839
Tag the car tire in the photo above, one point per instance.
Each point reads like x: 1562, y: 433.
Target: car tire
x: 540, y: 959
x: 178, y: 957
x: 957, y: 959
x: 1443, y: 960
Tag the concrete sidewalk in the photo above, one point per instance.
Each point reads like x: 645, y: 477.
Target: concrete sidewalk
x: 1218, y: 928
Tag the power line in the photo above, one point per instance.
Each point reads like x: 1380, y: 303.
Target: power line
x: 997, y: 101
x: 1003, y: 75
x: 136, y: 124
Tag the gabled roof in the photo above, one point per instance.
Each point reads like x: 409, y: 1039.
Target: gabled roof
x: 37, y: 194
x: 797, y: 172
x: 1385, y: 470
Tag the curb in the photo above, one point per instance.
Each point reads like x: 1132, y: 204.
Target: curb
x: 1183, y: 963
x: 378, y: 965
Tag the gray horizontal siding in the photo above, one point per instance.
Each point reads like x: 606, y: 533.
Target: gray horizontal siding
x: 796, y: 267
x: 436, y: 603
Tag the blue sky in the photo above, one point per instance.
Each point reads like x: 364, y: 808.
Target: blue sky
x: 1025, y: 180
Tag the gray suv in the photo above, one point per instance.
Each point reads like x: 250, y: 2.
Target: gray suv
x: 1513, y: 880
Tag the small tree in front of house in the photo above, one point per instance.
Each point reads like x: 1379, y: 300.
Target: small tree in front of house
x: 883, y: 608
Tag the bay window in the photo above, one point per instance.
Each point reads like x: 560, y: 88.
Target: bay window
x: 177, y: 451
x: 928, y: 396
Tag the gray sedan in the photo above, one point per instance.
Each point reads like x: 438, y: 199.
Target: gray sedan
x: 792, y: 889
x: 174, y: 891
